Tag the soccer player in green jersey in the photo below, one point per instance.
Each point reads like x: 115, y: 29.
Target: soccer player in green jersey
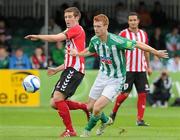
x: 111, y: 77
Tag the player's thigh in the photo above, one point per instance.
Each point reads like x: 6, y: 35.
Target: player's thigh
x: 114, y: 86
x: 98, y: 87
x: 130, y: 78
x: 141, y: 82
x: 68, y: 82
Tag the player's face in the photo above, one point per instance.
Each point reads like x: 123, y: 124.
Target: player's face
x: 2, y: 53
x: 133, y: 22
x: 70, y: 19
x: 99, y: 28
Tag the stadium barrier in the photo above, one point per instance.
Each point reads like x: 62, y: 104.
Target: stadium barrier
x: 12, y: 92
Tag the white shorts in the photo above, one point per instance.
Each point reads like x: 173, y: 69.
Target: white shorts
x: 106, y: 86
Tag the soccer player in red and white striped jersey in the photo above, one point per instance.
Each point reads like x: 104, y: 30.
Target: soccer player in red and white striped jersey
x: 137, y: 63
x: 73, y: 68
x: 135, y: 60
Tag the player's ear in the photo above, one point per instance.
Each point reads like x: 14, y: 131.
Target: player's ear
x: 77, y: 18
x: 138, y: 20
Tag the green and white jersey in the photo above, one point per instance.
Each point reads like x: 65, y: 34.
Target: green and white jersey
x: 112, y: 54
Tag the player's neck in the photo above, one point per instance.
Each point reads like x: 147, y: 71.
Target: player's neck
x: 104, y: 37
x: 134, y: 30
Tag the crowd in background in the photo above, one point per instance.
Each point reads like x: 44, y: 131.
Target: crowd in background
x: 161, y: 36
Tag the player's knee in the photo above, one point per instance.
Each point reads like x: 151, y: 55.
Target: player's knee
x: 52, y: 104
x: 96, y: 110
x: 126, y: 93
x: 58, y: 96
x: 89, y: 107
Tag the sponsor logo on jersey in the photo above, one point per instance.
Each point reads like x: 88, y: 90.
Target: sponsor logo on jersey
x: 106, y: 60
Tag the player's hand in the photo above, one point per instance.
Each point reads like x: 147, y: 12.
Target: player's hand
x: 51, y: 71
x: 31, y: 37
x: 149, y: 71
x: 71, y: 51
x: 162, y: 54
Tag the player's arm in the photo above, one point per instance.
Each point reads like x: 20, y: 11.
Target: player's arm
x: 51, y: 71
x: 147, y: 48
x: 86, y: 52
x: 147, y: 57
x: 49, y: 38
x: 74, y: 52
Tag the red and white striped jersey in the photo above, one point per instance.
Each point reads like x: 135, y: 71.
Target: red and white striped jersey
x: 135, y: 60
x: 75, y: 39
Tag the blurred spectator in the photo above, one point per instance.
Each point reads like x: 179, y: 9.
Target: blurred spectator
x: 53, y: 28
x: 173, y: 40
x: 57, y: 54
x: 5, y: 36
x: 161, y: 93
x: 157, y: 40
x: 144, y: 15
x: 4, y: 30
x: 156, y: 64
x: 173, y: 64
x: 158, y: 16
x: 38, y: 59
x: 83, y: 14
x: 4, y: 60
x: 19, y: 60
x: 59, y: 18
x: 4, y: 41
x: 176, y: 102
x: 121, y: 14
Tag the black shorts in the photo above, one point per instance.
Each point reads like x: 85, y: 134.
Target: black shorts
x: 139, y: 79
x: 68, y: 82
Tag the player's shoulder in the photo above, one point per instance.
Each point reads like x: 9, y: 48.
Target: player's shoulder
x: 143, y: 31
x: 94, y: 38
x: 123, y: 32
x: 77, y: 27
x: 116, y: 38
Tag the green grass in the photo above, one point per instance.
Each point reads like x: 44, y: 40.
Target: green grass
x: 43, y: 123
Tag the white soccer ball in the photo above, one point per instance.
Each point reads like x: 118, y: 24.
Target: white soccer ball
x: 31, y: 83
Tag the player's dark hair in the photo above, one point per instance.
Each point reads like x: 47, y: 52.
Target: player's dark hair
x: 133, y: 14
x: 75, y: 10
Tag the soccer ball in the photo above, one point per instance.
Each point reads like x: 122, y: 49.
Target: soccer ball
x: 31, y: 83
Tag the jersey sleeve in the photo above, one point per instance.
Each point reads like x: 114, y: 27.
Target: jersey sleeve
x: 125, y: 43
x: 73, y: 32
x: 122, y: 34
x: 91, y: 47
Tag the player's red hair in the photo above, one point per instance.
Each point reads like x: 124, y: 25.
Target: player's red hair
x: 103, y: 18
